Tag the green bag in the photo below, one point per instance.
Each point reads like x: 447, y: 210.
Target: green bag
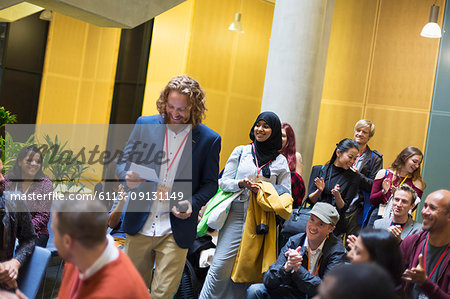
x: 219, y: 197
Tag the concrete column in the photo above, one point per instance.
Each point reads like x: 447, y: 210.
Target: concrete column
x: 296, y: 68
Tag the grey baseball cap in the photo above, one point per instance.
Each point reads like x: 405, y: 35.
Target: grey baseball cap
x: 326, y: 212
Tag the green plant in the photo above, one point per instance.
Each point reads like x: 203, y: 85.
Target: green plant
x: 64, y: 171
x: 5, y: 118
x: 12, y: 149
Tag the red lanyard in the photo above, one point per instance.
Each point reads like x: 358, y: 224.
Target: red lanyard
x: 425, y: 257
x: 309, y: 259
x: 403, y: 226
x: 176, y: 154
x: 359, y: 156
x: 258, y: 169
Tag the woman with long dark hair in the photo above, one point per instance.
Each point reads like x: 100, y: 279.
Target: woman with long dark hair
x: 294, y: 158
x: 404, y: 170
x: 377, y: 246
x: 28, y: 178
x: 335, y: 183
x: 257, y: 161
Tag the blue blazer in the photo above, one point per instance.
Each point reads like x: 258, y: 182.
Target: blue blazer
x: 197, y: 173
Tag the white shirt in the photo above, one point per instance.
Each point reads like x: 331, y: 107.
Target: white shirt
x: 315, y: 255
x: 158, y: 221
x: 108, y: 255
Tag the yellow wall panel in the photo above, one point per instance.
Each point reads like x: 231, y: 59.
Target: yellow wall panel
x: 168, y: 53
x: 336, y: 122
x: 193, y: 38
x: 210, y: 56
x: 404, y: 62
x: 90, y: 60
x: 252, y: 48
x: 64, y: 48
x: 379, y: 42
x: 349, y: 50
x: 79, y: 72
x: 58, y: 100
x: 397, y: 129
x: 238, y: 124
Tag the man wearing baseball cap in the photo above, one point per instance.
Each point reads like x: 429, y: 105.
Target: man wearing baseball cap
x: 305, y: 259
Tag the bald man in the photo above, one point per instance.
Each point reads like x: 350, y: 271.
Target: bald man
x: 426, y: 254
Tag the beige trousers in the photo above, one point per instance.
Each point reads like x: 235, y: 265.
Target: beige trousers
x: 164, y: 253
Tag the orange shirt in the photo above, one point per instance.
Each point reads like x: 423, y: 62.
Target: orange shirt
x: 117, y: 279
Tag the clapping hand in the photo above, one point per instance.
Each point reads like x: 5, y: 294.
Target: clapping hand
x: 417, y: 274
x: 320, y: 183
x: 396, y: 231
x: 294, y: 260
x: 386, y: 185
x: 351, y: 241
x: 335, y: 191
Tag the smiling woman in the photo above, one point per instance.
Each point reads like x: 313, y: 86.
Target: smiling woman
x: 404, y: 170
x: 334, y: 182
x: 248, y: 164
x: 27, y: 178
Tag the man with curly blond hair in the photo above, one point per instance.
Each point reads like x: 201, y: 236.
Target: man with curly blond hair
x: 161, y: 218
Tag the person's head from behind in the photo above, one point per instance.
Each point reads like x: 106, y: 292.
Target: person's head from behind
x: 409, y: 161
x: 357, y: 281
x: 321, y: 223
x: 345, y: 153
x: 78, y: 225
x: 364, y: 130
x: 182, y: 101
x: 28, y: 164
x: 436, y: 212
x: 403, y: 200
x: 378, y: 246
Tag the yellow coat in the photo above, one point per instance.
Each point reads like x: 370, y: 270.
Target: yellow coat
x: 257, y: 252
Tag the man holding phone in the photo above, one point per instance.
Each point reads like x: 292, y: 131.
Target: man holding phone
x: 162, y: 227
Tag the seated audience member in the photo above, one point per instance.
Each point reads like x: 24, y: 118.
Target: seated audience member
x: 379, y: 247
x: 367, y: 164
x: 404, y: 170
x: 28, y: 178
x: 401, y: 223
x: 335, y: 183
x: 95, y: 267
x: 305, y: 259
x: 115, y: 218
x: 15, y: 223
x: 357, y: 281
x: 425, y: 255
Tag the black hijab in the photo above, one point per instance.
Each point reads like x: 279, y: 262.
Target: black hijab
x: 267, y: 150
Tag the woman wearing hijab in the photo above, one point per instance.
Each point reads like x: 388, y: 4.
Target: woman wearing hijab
x: 257, y: 161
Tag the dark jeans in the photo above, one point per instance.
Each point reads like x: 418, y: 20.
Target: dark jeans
x: 259, y: 291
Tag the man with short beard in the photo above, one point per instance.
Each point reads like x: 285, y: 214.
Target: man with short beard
x: 426, y: 254
x: 401, y: 224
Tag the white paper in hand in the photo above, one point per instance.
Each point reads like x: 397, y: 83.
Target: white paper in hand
x: 146, y: 173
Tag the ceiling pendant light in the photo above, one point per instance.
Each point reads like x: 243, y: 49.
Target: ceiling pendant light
x: 432, y: 29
